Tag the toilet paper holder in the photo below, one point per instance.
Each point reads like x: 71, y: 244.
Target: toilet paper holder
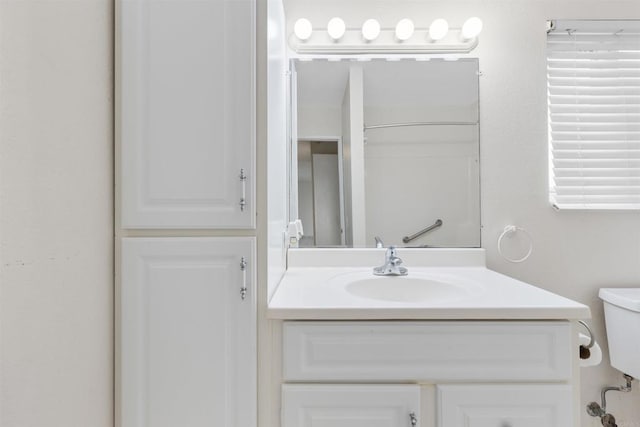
x: 585, y: 350
x: 592, y: 339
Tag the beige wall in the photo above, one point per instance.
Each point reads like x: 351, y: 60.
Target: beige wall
x: 575, y: 253
x: 56, y: 272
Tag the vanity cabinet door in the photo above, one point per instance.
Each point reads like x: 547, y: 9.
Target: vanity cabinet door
x: 186, y: 113
x: 320, y: 405
x: 505, y: 406
x: 187, y: 337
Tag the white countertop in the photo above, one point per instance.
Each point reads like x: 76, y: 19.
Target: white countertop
x: 311, y: 292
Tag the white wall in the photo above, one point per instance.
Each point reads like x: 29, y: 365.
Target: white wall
x: 575, y: 253
x: 353, y: 159
x: 438, y: 167
x: 277, y: 82
x: 316, y: 122
x: 56, y: 232
x: 355, y: 128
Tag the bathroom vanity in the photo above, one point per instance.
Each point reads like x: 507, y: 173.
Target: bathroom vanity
x: 451, y: 344
x: 386, y: 149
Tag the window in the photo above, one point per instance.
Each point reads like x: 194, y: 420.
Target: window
x: 593, y: 75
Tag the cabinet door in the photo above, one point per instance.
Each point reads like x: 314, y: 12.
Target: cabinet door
x: 505, y: 406
x: 187, y: 338
x: 350, y: 405
x: 186, y: 98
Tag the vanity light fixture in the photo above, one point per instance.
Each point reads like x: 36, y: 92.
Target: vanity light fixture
x: 403, y: 38
x: 404, y: 29
x: 303, y: 29
x: 471, y: 28
x: 438, y: 29
x: 370, y: 30
x: 336, y: 28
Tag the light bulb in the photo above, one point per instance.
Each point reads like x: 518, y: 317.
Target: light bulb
x: 303, y: 29
x: 471, y: 28
x: 370, y: 29
x: 438, y: 29
x: 336, y: 28
x: 404, y: 29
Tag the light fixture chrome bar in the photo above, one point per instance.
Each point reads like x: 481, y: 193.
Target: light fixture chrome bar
x: 353, y: 42
x: 395, y: 125
x: 407, y: 239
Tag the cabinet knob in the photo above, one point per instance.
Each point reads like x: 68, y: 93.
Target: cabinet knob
x: 414, y: 419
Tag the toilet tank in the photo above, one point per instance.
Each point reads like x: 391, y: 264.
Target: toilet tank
x: 622, y: 318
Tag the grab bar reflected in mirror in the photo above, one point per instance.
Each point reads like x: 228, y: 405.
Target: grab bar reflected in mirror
x: 407, y: 239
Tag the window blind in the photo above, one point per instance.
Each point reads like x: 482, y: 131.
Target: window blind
x: 593, y: 75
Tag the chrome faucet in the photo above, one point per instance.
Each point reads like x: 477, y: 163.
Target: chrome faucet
x: 379, y: 242
x: 391, y: 266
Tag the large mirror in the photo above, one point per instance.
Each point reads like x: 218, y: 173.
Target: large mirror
x: 386, y: 152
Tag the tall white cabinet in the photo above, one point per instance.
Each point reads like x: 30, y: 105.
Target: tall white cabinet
x: 187, y: 113
x: 185, y: 78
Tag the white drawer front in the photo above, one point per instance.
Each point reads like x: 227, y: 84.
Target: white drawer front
x: 505, y: 405
x: 318, y: 405
x: 428, y: 351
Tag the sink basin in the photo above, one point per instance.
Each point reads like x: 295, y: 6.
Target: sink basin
x: 412, y: 289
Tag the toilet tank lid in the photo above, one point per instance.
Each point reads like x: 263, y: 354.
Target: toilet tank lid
x: 628, y: 298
